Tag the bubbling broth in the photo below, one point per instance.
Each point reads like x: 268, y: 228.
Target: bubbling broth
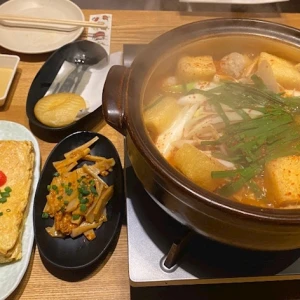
x: 231, y: 124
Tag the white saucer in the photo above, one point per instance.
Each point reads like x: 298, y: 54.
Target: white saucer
x: 33, y: 40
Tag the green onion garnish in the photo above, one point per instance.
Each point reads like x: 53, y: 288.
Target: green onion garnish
x: 54, y: 187
x: 84, y: 200
x: 8, y: 189
x: 93, y: 190
x: 75, y: 217
x: 45, y: 215
x: 83, y: 190
x: 83, y: 207
x: 3, y: 200
x: 5, y: 194
x: 69, y: 191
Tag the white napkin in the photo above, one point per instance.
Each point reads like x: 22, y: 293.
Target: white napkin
x: 234, y: 1
x: 91, y: 85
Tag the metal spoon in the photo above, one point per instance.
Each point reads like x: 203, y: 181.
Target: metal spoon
x: 83, y: 54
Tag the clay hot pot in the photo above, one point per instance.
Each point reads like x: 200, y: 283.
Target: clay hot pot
x: 124, y: 94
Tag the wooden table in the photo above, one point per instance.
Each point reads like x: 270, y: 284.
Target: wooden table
x: 109, y: 280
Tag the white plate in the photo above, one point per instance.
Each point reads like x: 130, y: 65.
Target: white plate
x: 11, y: 274
x: 34, y: 40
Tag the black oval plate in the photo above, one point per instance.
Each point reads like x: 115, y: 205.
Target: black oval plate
x: 48, y: 72
x: 78, y: 253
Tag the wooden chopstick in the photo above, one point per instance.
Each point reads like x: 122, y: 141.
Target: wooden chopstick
x: 26, y: 19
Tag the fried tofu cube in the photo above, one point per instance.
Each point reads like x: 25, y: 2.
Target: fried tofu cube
x: 197, y: 166
x: 160, y: 115
x: 191, y: 68
x: 282, y: 181
x: 284, y: 71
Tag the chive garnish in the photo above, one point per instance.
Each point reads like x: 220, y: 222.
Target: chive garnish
x: 68, y: 191
x: 254, y: 187
x: 59, y: 197
x: 56, y: 174
x: 5, y: 194
x: 66, y: 202
x: 83, y: 207
x: 93, y: 190
x: 45, y: 215
x: 1, y: 214
x: 84, y: 191
x: 75, y: 217
x: 8, y: 189
x: 3, y: 200
x: 83, y: 200
x: 251, y: 142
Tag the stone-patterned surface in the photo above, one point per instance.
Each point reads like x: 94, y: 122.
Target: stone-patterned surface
x: 12, y: 273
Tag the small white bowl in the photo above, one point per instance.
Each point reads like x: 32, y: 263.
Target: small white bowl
x: 7, y: 62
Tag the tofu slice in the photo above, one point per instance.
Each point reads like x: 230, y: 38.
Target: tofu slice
x: 284, y: 71
x: 282, y: 181
x: 197, y: 166
x: 190, y: 68
x: 160, y: 115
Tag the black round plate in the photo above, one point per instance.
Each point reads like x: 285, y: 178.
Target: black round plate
x: 44, y: 78
x: 78, y: 253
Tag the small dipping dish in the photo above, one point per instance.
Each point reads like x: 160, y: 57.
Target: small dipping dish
x: 8, y: 68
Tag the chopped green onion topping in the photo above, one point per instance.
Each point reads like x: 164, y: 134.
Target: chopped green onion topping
x: 48, y: 187
x: 80, y: 179
x: 75, y: 217
x: 8, y: 189
x: 54, y: 187
x: 83, y: 207
x: 3, y: 200
x: 93, y: 190
x: 45, y: 215
x: 66, y: 202
x: 56, y: 174
x: 68, y: 191
x: 59, y: 197
x: 84, y: 200
x: 1, y: 213
x: 5, y: 194
x: 84, y: 191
